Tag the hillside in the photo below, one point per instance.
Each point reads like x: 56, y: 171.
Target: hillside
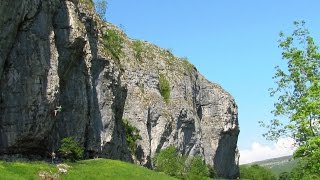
x: 278, y: 165
x: 88, y: 169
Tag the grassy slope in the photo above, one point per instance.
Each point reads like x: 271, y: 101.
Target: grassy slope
x: 278, y: 165
x: 88, y: 169
x: 22, y: 170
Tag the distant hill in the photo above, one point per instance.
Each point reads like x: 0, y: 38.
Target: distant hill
x: 278, y: 165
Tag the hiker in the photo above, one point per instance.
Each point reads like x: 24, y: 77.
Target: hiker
x: 53, y: 156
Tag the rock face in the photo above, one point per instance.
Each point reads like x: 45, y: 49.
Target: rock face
x: 58, y: 53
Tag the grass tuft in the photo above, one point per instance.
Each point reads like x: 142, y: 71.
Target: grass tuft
x: 164, y: 86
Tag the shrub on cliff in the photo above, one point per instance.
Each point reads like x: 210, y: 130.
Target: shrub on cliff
x: 112, y: 42
x: 164, y: 87
x: 70, y: 149
x: 132, y: 135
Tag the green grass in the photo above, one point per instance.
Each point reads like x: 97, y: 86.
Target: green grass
x: 87, y: 169
x: 23, y: 170
x: 111, y: 169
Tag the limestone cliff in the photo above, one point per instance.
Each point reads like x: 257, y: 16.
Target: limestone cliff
x: 59, y: 53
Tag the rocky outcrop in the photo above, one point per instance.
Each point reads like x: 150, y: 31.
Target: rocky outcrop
x: 64, y: 72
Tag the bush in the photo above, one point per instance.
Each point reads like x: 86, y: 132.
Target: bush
x: 285, y: 176
x: 172, y: 163
x: 132, y: 135
x: 164, y: 87
x: 197, y: 169
x: 112, y: 41
x: 169, y: 162
x: 256, y: 172
x: 188, y: 66
x: 138, y: 49
x: 70, y: 149
x: 88, y: 3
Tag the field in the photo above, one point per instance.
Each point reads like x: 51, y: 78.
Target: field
x: 87, y: 169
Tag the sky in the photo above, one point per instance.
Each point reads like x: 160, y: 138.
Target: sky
x: 232, y: 43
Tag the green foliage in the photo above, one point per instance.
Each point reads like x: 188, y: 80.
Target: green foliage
x: 113, y: 41
x: 132, y: 135
x: 256, y: 172
x: 197, y: 169
x: 189, y: 67
x: 298, y: 88
x: 101, y: 8
x: 169, y: 161
x: 285, y: 176
x: 70, y: 149
x: 88, y: 3
x: 164, y: 87
x: 309, y: 164
x: 138, y: 49
x: 172, y: 163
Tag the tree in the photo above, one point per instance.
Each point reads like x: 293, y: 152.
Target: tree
x: 197, y: 169
x: 285, y: 176
x: 256, y: 172
x: 70, y: 149
x: 101, y: 8
x: 298, y: 88
x: 170, y: 162
x: 309, y: 164
x: 298, y: 92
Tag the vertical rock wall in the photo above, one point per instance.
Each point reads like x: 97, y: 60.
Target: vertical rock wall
x: 59, y: 79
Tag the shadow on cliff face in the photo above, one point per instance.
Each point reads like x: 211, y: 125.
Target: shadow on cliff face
x: 226, y: 155
x: 186, y: 130
x: 91, y: 93
x: 25, y: 111
x: 51, y: 88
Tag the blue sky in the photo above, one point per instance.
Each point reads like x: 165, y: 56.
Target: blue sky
x: 232, y: 43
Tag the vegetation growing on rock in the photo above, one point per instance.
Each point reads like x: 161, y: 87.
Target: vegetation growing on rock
x: 88, y: 3
x: 164, y: 87
x: 188, y: 66
x: 138, y: 49
x: 132, y: 135
x: 112, y: 42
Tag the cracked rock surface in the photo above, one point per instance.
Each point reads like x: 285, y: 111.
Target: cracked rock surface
x: 59, y: 79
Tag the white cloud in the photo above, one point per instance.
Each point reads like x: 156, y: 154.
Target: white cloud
x: 258, y: 152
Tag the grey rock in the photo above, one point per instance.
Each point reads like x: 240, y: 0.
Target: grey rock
x: 52, y: 55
